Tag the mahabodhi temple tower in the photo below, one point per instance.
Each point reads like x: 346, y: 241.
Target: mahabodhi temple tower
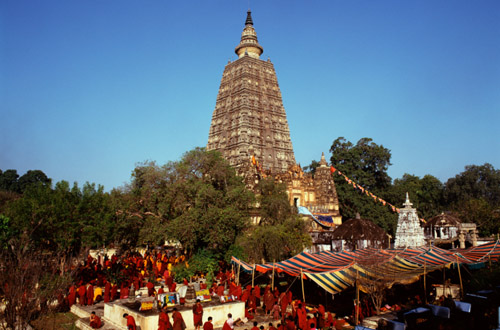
x: 249, y: 118
x: 249, y: 127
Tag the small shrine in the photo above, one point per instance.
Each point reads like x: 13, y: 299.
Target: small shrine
x: 409, y: 233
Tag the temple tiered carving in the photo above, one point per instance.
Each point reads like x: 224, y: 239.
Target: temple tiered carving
x: 409, y: 233
x: 250, y: 128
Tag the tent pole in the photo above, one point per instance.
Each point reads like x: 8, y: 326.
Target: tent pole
x: 356, y: 311
x: 302, y: 280
x: 460, y: 276
x: 425, y: 284
x: 444, y: 281
x: 238, y: 280
x: 272, y: 280
x: 253, y: 274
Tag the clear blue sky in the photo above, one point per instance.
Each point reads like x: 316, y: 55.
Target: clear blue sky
x: 90, y: 88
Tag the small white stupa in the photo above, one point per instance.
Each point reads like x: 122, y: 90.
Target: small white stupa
x: 409, y: 234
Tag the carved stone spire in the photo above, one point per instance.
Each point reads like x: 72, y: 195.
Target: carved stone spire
x: 323, y: 162
x: 409, y: 233
x: 249, y: 44
x: 249, y: 117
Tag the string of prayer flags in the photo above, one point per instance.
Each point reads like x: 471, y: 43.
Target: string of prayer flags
x: 363, y: 190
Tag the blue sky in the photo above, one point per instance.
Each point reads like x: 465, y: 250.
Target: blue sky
x: 90, y: 88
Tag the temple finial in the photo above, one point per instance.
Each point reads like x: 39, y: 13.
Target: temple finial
x: 249, y: 44
x: 407, y: 203
x: 323, y: 162
x: 249, y: 18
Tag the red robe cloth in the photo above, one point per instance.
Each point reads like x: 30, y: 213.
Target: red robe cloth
x: 197, y: 314
x: 269, y: 301
x: 164, y: 321
x: 329, y: 320
x: 208, y: 326
x: 124, y: 292
x: 220, y: 290
x: 90, y: 295
x: 302, y: 318
x: 290, y: 325
x: 151, y: 289
x: 178, y: 320
x: 232, y: 289
x: 238, y: 292
x: 114, y: 292
x: 95, y: 322
x: 256, y: 291
x: 131, y: 323
x: 107, y: 292
x: 82, y: 294
x: 226, y: 326
x: 72, y: 296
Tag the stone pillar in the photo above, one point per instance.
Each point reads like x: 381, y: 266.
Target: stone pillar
x: 461, y: 239
x: 474, y: 237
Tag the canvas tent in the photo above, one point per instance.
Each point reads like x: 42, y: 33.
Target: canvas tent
x: 335, y: 272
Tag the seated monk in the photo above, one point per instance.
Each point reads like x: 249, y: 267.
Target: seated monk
x: 95, y: 321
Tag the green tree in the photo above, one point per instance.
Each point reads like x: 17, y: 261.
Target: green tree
x: 9, y: 181
x: 366, y: 163
x: 425, y: 193
x: 33, y: 177
x: 475, y: 195
x: 281, y: 232
x: 199, y: 201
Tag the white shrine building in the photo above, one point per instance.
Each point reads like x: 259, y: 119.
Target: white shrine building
x: 409, y: 233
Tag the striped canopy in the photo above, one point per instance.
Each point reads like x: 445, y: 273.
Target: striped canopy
x: 336, y: 271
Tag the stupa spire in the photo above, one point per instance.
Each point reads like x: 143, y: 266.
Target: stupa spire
x: 249, y: 44
x: 249, y: 18
x: 323, y: 162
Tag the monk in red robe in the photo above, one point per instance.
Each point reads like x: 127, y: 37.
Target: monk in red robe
x: 95, y: 321
x: 114, y: 292
x: 229, y: 324
x: 71, y: 296
x: 208, y: 325
x: 107, y: 292
x: 161, y: 290
x: 130, y: 322
x: 164, y: 320
x: 302, y: 317
x: 90, y: 294
x: 290, y: 325
x: 177, y: 320
x: 151, y: 289
x: 197, y: 315
x: 82, y: 295
x: 268, y: 301
x: 220, y: 290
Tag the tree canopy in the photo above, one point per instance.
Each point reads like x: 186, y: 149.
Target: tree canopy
x: 366, y: 163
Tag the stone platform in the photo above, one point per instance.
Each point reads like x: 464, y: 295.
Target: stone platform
x: 112, y: 314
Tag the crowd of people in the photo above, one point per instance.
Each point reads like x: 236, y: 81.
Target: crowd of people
x: 106, y: 279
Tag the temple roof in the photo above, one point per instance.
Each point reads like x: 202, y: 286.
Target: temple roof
x: 443, y: 220
x: 359, y: 229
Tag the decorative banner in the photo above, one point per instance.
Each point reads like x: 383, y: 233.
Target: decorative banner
x: 363, y: 190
